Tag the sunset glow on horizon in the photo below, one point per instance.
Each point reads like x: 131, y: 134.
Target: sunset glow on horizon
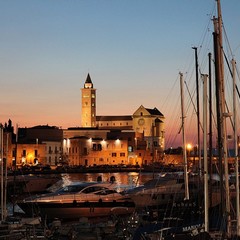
x: 133, y: 51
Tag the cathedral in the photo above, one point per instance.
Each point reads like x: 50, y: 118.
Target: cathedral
x: 129, y: 139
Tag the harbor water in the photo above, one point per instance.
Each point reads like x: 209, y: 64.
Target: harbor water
x: 123, y: 179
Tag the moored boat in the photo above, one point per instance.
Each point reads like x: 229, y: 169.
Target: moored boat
x: 161, y: 191
x: 81, y: 199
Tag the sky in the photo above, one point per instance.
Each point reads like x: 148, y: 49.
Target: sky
x: 132, y: 49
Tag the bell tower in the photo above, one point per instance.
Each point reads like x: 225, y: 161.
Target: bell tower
x: 88, y: 104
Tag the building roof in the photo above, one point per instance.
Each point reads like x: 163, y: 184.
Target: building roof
x: 154, y: 111
x: 83, y: 128
x: 114, y: 118
x: 44, y: 127
x: 88, y: 80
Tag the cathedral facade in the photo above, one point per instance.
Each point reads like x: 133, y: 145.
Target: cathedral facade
x: 124, y: 139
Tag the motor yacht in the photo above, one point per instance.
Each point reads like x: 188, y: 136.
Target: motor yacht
x: 79, y: 199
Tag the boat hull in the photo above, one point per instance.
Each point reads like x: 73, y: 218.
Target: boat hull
x: 76, y: 210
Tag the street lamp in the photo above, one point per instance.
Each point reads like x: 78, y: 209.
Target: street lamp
x: 189, y: 148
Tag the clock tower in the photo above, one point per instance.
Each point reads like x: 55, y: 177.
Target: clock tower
x: 88, y: 104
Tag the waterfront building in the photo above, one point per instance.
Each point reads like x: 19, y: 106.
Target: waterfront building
x: 141, y: 135
x: 36, y: 145
x: 30, y: 153
x: 128, y: 139
x: 53, y: 152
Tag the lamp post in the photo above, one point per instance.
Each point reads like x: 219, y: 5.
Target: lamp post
x: 189, y: 148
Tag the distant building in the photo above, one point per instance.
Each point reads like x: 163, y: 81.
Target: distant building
x: 141, y: 135
x: 112, y: 140
x: 39, y: 144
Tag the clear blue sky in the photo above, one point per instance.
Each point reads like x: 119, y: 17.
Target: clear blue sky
x: 133, y: 50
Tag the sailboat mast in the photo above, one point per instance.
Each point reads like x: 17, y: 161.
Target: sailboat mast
x: 198, y: 115
x: 221, y: 116
x: 210, y: 128
x: 224, y: 115
x: 2, y: 179
x: 205, y: 158
x: 184, y: 141
x: 5, y: 178
x: 219, y: 128
x: 236, y: 146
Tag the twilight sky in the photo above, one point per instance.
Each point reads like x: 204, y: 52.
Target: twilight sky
x: 133, y: 50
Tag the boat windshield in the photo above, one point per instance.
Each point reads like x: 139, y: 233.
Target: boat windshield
x: 98, y: 190
x: 72, y: 188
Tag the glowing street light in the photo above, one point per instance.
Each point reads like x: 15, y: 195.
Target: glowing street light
x: 189, y: 147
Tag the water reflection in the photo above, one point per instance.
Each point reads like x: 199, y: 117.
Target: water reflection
x: 123, y: 178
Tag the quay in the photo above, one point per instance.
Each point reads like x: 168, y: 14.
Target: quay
x: 95, y: 169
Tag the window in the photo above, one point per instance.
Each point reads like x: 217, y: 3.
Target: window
x: 35, y: 152
x: 93, y: 95
x: 130, y: 148
x: 97, y: 147
x: 122, y: 154
x: 24, y: 153
x: 114, y: 154
x: 93, y: 104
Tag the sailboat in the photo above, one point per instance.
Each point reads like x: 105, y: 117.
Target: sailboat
x: 176, y: 218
